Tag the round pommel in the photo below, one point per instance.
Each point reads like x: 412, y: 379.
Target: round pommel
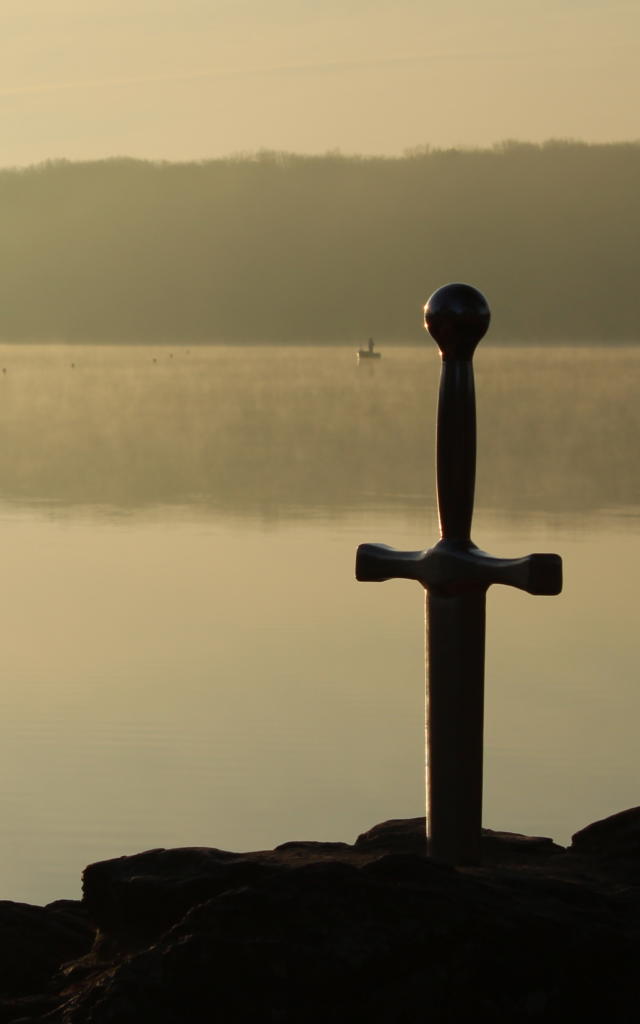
x: 457, y: 317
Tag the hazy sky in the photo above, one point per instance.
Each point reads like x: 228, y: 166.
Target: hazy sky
x: 183, y: 79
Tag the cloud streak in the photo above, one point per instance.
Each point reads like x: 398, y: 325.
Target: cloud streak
x: 310, y: 68
x: 320, y: 67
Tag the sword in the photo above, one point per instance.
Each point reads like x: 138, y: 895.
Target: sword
x: 456, y: 576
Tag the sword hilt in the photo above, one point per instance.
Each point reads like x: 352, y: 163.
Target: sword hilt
x: 457, y: 317
x: 451, y: 568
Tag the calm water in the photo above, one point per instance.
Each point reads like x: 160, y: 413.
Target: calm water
x: 186, y: 657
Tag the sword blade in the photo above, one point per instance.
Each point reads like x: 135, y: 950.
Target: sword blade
x: 455, y: 627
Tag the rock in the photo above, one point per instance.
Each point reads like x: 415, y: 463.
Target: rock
x: 132, y: 900
x: 408, y: 835
x: 402, y: 835
x: 512, y: 848
x: 316, y: 932
x: 393, y: 938
x: 35, y: 941
x: 613, y: 842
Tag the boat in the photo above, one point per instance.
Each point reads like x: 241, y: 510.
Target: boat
x: 368, y: 353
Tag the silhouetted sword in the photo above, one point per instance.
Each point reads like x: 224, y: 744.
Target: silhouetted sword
x: 456, y: 576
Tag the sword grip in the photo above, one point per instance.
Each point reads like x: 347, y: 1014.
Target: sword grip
x: 457, y: 317
x: 456, y: 449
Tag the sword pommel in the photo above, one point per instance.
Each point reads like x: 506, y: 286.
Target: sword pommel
x: 457, y: 317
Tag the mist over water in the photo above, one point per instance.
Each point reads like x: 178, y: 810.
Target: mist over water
x: 187, y: 659
x: 273, y: 431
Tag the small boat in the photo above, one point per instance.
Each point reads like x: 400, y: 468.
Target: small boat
x: 368, y: 353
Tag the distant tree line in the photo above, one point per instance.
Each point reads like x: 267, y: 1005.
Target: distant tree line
x: 281, y: 247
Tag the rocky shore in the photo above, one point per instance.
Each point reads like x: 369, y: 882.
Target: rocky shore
x: 335, y: 932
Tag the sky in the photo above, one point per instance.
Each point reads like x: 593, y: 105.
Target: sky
x: 196, y: 79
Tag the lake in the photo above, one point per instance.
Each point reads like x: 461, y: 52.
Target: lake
x: 185, y: 654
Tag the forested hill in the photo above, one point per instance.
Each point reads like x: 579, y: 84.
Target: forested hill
x: 280, y: 247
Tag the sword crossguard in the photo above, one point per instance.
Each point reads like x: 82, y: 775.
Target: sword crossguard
x: 452, y: 568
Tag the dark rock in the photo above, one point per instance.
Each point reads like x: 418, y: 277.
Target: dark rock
x: 513, y: 848
x: 408, y: 835
x: 395, y: 939
x: 616, y: 838
x: 23, y: 1009
x: 35, y: 941
x: 311, y: 846
x: 316, y: 932
x: 132, y: 900
x: 402, y: 835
